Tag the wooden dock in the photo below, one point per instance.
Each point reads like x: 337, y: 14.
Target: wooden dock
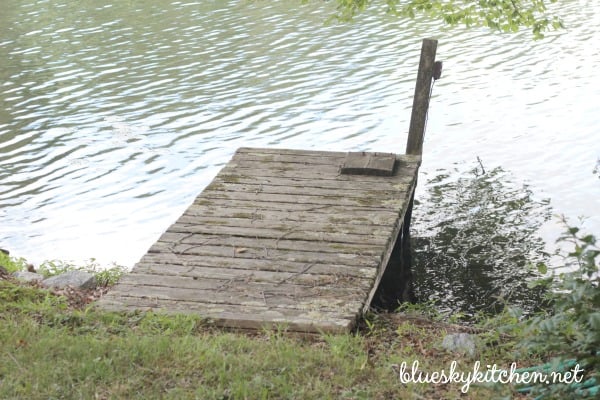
x: 281, y: 237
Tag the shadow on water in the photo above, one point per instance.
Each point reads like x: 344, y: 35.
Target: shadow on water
x: 474, y: 237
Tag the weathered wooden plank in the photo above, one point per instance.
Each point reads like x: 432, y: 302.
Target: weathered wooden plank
x: 301, y: 277
x: 331, y: 173
x: 254, y: 188
x: 194, y: 306
x: 399, y: 182
x: 297, y: 152
x: 393, y: 203
x: 249, y: 281
x: 242, y: 317
x: 283, y: 226
x: 241, y: 243
x: 368, y: 163
x: 175, y: 264
x: 261, y: 152
x: 300, y: 159
x: 304, y: 298
x: 282, y: 206
x: 309, y: 171
x: 322, y: 209
x: 358, y: 260
x: 330, y: 214
x: 378, y: 237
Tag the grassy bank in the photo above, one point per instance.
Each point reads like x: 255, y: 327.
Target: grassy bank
x: 49, y: 350
x: 52, y: 347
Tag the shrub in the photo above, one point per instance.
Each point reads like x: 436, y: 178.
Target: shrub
x: 570, y: 330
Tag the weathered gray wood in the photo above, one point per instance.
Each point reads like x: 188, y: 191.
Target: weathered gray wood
x: 320, y: 158
x: 437, y: 70
x: 314, y: 312
x: 324, y: 210
x: 240, y: 242
x: 396, y: 235
x: 316, y: 200
x: 288, y: 171
x: 300, y: 153
x: 173, y: 264
x: 279, y: 212
x: 298, y: 159
x: 400, y: 182
x: 335, y: 156
x: 319, y: 298
x: 243, y: 317
x: 308, y: 170
x: 261, y: 167
x: 328, y: 227
x: 279, y: 236
x: 147, y: 275
x: 255, y: 188
x: 418, y: 117
x: 369, y: 163
x: 282, y: 283
x: 321, y: 206
x: 209, y: 249
x: 378, y: 236
x: 257, y: 309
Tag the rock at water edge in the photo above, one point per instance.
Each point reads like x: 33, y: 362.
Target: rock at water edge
x: 76, y: 279
x: 28, y: 276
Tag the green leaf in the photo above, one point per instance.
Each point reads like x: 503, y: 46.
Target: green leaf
x: 498, y: 15
x: 594, y: 321
x: 542, y: 268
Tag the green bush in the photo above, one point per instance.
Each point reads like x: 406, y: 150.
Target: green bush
x: 570, y: 330
x: 105, y: 276
x: 12, y: 264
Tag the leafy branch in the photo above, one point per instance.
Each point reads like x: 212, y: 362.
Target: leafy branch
x: 498, y: 15
x: 571, y: 329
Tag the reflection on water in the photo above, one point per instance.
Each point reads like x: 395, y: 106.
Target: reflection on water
x: 114, y: 115
x: 475, y: 241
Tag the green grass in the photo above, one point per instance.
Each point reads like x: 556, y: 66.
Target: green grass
x: 51, y: 350
x: 105, y: 276
x: 12, y: 264
x: 48, y: 351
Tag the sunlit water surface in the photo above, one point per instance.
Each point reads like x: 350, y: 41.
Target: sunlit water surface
x: 115, y: 114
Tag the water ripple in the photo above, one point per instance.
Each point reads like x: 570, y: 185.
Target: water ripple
x: 115, y: 115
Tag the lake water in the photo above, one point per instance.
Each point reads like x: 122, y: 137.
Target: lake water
x: 116, y: 114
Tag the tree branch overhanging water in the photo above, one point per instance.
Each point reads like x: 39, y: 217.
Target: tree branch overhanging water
x: 498, y: 15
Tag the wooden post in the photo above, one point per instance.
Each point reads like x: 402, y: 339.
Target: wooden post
x: 418, y: 118
x: 428, y: 69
